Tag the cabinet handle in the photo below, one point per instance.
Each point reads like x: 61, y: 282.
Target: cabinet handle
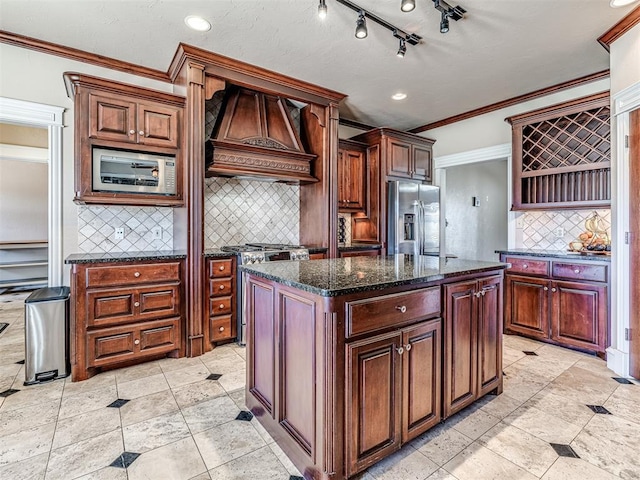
x: 553, y: 289
x: 136, y: 342
x: 221, y: 329
x: 141, y: 132
x: 221, y: 268
x: 546, y: 288
x: 221, y: 306
x: 477, y: 294
x: 136, y: 304
x: 525, y: 266
x: 408, y: 347
x: 221, y: 287
x: 132, y: 132
x: 576, y: 271
x: 400, y: 350
x: 137, y: 274
x: 402, y: 309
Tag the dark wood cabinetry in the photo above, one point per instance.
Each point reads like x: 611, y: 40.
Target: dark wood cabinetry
x: 221, y: 301
x: 114, y: 115
x: 359, y: 253
x: 352, y: 181
x: 561, y: 155
x: 565, y: 302
x: 124, y: 313
x: 473, y: 346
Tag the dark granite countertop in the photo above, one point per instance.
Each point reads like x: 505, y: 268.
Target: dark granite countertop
x: 125, y: 256
x: 347, y: 247
x: 557, y: 254
x: 340, y: 276
x: 216, y: 252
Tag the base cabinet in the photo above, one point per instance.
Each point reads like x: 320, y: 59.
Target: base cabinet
x: 473, y: 345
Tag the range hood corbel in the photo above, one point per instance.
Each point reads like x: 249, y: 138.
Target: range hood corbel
x: 254, y: 137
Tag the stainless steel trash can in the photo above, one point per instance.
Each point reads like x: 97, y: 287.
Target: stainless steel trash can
x: 46, y: 335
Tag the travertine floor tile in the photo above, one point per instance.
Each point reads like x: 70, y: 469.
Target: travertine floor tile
x: 212, y: 413
x: 478, y: 462
x: 233, y: 380
x: 568, y: 410
x: 576, y: 469
x: 184, y: 376
x: 472, y: 422
x: 441, y: 443
x: 407, y: 463
x: 500, y: 405
x: 26, y: 443
x: 86, y: 426
x: 136, y: 372
x: 177, y: 461
x: 142, y: 386
x: 583, y: 386
x: 18, y: 419
x: 149, y: 406
x: 226, y: 442
x: 108, y: 473
x: 441, y: 474
x: 543, y: 425
x: 33, y: 395
x: 262, y: 464
x: 32, y: 468
x: 197, y: 392
x: 88, y: 401
x: 155, y: 432
x: 106, y: 379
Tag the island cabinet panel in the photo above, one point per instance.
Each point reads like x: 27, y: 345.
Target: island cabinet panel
x: 527, y: 309
x: 220, y: 307
x: 374, y: 379
x: 262, y: 335
x: 490, y: 334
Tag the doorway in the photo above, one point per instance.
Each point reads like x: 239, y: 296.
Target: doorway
x: 634, y: 230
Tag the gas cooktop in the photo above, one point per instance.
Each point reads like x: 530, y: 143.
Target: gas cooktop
x: 259, y: 247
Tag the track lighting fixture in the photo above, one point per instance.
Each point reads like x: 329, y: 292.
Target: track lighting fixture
x: 448, y: 12
x: 361, y: 26
x: 403, y: 48
x: 322, y: 9
x: 407, y: 5
x: 444, y: 23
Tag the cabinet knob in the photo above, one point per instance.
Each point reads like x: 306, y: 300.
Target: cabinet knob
x: 141, y: 132
x: 402, y: 308
x: 408, y: 347
x: 477, y: 294
x: 132, y: 132
x: 221, y: 268
x: 553, y: 289
x: 137, y: 274
x: 136, y: 304
x: 221, y: 329
x: 221, y: 306
x: 546, y: 288
x: 576, y: 271
x: 400, y: 350
x: 525, y: 266
x: 136, y: 341
x: 221, y: 287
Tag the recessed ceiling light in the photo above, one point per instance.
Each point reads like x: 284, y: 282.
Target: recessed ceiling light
x: 399, y: 96
x: 197, y: 23
x: 621, y: 3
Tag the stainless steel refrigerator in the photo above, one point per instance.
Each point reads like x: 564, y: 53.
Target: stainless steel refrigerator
x: 413, y: 220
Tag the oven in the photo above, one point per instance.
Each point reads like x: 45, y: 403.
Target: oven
x: 250, y: 254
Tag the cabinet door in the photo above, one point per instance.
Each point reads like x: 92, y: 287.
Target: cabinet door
x: 460, y: 369
x: 421, y: 367
x: 398, y: 159
x: 579, y: 315
x: 527, y: 306
x: 112, y: 118
x: 490, y: 335
x: 360, y: 253
x: 158, y: 125
x: 372, y: 393
x: 351, y: 179
x: 422, y: 163
x: 343, y: 174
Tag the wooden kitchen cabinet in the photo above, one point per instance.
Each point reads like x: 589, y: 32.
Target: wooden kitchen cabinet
x: 221, y: 301
x: 358, y: 253
x: 124, y: 313
x: 563, y: 302
x: 118, y: 116
x: 352, y: 184
x: 473, y: 345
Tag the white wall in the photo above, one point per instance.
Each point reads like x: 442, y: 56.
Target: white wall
x: 625, y: 60
x: 37, y: 77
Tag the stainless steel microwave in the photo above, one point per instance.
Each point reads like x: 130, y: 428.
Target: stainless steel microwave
x: 124, y: 171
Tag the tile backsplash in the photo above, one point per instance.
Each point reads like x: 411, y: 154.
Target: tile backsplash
x: 238, y: 211
x: 347, y: 227
x: 97, y: 224
x: 539, y: 228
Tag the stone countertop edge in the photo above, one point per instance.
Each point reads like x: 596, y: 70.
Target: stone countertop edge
x: 113, y: 257
x: 216, y: 252
x: 342, y: 276
x: 359, y: 246
x: 556, y: 254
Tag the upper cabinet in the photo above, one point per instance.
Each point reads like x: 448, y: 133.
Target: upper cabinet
x: 404, y: 155
x: 352, y: 184
x: 120, y: 117
x: 561, y: 155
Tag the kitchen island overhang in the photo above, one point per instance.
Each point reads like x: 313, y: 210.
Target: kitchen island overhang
x: 349, y: 359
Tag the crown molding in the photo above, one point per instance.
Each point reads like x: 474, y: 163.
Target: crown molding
x: 620, y: 28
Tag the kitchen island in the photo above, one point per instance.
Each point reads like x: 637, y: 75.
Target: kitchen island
x: 348, y: 359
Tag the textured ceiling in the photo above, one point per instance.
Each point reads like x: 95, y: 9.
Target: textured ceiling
x: 501, y: 49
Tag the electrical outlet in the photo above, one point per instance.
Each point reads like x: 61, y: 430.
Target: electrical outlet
x: 118, y: 234
x: 559, y: 232
x: 156, y: 232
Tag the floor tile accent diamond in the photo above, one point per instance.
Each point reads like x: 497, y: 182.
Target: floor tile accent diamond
x: 3, y: 326
x: 245, y: 415
x: 599, y: 409
x: 564, y: 450
x: 623, y: 381
x: 124, y: 460
x: 118, y: 403
x: 8, y: 392
x: 527, y: 352
x: 20, y: 362
x: 295, y: 477
x: 214, y: 376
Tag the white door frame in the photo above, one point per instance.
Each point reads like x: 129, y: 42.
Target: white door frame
x: 49, y: 117
x: 486, y: 154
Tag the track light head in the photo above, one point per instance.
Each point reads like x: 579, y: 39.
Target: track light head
x: 444, y: 23
x: 403, y: 48
x: 322, y: 9
x: 361, y: 26
x: 407, y: 5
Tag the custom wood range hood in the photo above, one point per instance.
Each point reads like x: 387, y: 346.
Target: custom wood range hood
x: 254, y: 136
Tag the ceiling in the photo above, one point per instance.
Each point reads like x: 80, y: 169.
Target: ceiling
x: 501, y: 49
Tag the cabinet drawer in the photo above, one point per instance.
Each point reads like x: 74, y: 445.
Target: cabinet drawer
x: 220, y: 287
x: 106, y: 346
x: 221, y: 328
x: 221, y: 268
x: 132, y: 274
x: 580, y: 271
x: 220, y: 305
x: 118, y: 306
x: 528, y: 266
x: 391, y: 310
